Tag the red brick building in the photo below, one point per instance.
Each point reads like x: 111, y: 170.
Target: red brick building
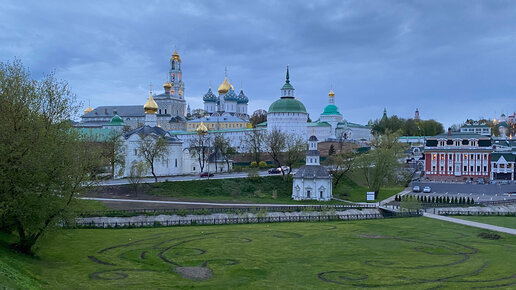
x: 458, y: 156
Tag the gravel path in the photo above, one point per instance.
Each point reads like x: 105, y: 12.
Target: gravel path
x: 471, y: 224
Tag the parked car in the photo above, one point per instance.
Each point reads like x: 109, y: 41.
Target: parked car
x: 206, y: 174
x: 416, y: 189
x: 469, y: 181
x: 504, y: 182
x: 285, y: 168
x: 274, y: 171
x: 480, y: 180
x: 427, y: 189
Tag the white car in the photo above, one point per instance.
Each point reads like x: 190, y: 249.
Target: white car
x: 427, y: 189
x: 416, y: 188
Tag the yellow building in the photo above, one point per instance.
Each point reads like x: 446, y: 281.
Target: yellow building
x: 218, y: 123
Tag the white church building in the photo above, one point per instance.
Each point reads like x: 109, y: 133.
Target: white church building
x: 312, y: 181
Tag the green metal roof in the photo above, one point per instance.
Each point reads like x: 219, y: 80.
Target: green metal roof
x: 509, y: 157
x: 116, y: 121
x: 287, y: 105
x: 331, y: 110
x: 318, y: 124
x: 97, y: 134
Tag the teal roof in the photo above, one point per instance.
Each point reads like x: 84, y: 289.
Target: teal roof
x: 287, y: 105
x: 503, y: 124
x: 262, y: 124
x: 318, y: 124
x: 116, y: 121
x: 331, y: 110
x: 97, y: 134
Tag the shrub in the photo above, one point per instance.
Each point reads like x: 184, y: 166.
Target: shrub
x: 253, y: 164
x: 262, y: 164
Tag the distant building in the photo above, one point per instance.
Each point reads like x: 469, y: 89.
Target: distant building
x: 312, y: 181
x: 458, y: 156
x: 502, y: 165
x: 227, y: 102
x: 218, y: 123
x: 476, y: 128
x: 171, y: 106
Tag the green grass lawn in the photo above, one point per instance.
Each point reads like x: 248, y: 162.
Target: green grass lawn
x: 354, y: 189
x: 501, y: 221
x: 256, y: 190
x: 411, y: 253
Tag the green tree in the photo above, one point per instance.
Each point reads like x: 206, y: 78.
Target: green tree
x: 45, y: 164
x: 380, y: 165
x: 331, y: 151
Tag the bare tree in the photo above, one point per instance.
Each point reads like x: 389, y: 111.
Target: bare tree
x: 200, y: 148
x: 258, y: 116
x: 136, y: 174
x: 254, y: 142
x: 295, y: 148
x: 275, y: 144
x: 340, y: 165
x: 153, y: 149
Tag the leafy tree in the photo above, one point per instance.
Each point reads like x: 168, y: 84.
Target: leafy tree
x: 153, y: 149
x: 380, y: 165
x: 258, y: 116
x: 331, y: 151
x: 45, y: 164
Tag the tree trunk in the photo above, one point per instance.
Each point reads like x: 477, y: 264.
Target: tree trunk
x: 153, y: 174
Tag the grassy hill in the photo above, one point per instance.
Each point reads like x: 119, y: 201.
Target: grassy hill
x: 411, y: 253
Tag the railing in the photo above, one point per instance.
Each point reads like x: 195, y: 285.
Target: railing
x: 240, y: 220
x: 210, y: 210
x: 476, y: 213
x: 498, y: 202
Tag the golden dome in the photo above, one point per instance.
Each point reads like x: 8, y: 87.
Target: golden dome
x: 167, y: 85
x: 87, y: 110
x: 175, y: 56
x: 224, y: 86
x: 150, y: 106
x: 202, y: 129
x: 331, y: 94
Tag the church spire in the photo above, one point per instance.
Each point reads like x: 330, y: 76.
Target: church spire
x: 287, y: 91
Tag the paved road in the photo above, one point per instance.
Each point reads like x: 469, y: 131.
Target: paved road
x: 182, y: 178
x: 471, y: 224
x: 209, y: 203
x: 479, y: 192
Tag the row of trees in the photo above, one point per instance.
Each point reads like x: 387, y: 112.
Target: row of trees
x: 406, y: 127
x: 283, y: 148
x: 435, y: 199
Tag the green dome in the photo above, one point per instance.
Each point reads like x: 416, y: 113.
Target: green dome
x: 287, y: 105
x: 331, y: 110
x: 116, y: 121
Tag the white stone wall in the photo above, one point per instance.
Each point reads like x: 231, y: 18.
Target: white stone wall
x: 301, y: 186
x: 291, y: 123
x: 172, y: 164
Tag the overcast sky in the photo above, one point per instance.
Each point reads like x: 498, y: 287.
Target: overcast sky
x: 451, y: 59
